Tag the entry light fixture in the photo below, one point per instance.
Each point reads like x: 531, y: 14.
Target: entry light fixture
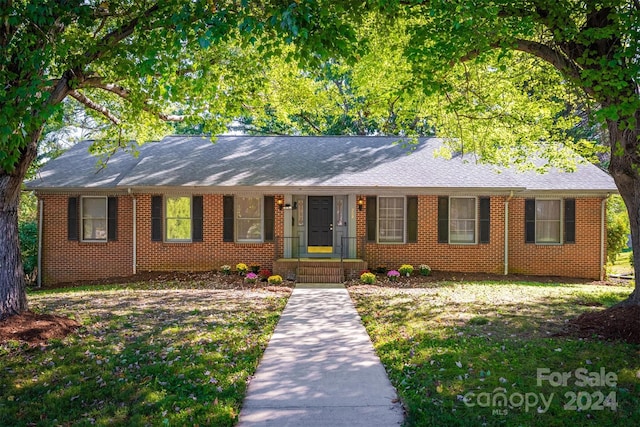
x: 360, y: 203
x: 280, y: 202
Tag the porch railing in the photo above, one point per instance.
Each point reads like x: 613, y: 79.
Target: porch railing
x: 282, y: 243
x: 295, y: 250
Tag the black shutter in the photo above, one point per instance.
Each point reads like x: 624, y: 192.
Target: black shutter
x: 269, y: 218
x: 412, y: 219
x: 156, y: 218
x: 73, y: 227
x: 112, y: 218
x: 485, y: 219
x: 443, y: 219
x: 530, y: 221
x: 196, y: 220
x: 569, y: 220
x: 227, y: 219
x: 372, y: 218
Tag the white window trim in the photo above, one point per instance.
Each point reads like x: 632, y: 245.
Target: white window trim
x: 106, y: 219
x: 236, y: 201
x: 561, y: 228
x: 166, y: 218
x: 404, y: 226
x: 476, y: 220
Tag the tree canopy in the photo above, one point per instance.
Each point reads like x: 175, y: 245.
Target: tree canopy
x: 502, y: 78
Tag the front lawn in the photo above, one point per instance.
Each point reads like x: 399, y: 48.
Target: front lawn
x: 147, y: 354
x: 495, y: 354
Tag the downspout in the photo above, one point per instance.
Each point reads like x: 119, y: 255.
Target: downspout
x: 40, y: 222
x: 506, y: 233
x: 135, y: 235
x: 603, y: 236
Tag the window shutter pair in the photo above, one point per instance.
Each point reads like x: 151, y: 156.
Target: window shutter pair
x: 411, y: 219
x: 569, y: 220
x: 484, y: 219
x: 74, y: 220
x: 228, y: 218
x: 157, y: 216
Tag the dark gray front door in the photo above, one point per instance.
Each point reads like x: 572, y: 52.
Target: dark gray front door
x: 320, y: 221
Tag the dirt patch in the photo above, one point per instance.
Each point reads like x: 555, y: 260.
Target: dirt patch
x: 210, y: 279
x: 616, y: 323
x: 35, y: 329
x: 417, y: 280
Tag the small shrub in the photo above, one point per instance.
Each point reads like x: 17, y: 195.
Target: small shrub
x: 28, y: 232
x: 364, y: 271
x: 255, y: 268
x: 242, y: 268
x: 251, y: 277
x: 381, y: 269
x: 406, y: 269
x: 225, y: 269
x: 368, y: 278
x: 275, y: 280
x: 425, y: 270
x: 393, y: 275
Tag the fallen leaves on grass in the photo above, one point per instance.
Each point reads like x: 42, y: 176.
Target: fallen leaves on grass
x: 141, y: 355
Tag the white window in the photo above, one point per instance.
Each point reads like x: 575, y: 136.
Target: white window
x: 94, y: 218
x: 548, y: 221
x: 462, y: 220
x: 249, y: 221
x: 391, y: 219
x: 178, y: 222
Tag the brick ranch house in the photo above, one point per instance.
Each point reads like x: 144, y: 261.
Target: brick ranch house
x: 296, y: 204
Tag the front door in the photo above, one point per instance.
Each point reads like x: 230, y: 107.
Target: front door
x: 320, y: 224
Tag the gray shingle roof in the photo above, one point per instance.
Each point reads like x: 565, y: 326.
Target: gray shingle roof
x: 325, y: 162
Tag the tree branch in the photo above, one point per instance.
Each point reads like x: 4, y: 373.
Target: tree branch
x: 559, y: 60
x: 117, y: 35
x: 98, y: 83
x: 81, y: 98
x: 555, y: 57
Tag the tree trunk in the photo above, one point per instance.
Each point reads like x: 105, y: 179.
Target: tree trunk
x: 13, y: 297
x: 625, y: 169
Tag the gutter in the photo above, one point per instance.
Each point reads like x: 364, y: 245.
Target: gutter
x: 506, y: 233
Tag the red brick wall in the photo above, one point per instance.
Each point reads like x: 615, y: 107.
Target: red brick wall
x: 581, y: 259
x: 209, y: 254
x: 65, y: 260
x: 484, y: 258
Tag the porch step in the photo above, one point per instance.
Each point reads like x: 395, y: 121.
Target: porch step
x: 320, y: 274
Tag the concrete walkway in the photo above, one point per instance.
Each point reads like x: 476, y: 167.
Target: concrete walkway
x: 320, y: 368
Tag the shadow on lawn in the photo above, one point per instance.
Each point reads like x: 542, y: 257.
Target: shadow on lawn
x: 177, y: 357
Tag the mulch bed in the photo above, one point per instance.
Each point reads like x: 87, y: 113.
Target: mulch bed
x: 617, y: 323
x: 36, y: 329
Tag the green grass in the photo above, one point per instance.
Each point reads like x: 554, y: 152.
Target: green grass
x: 147, y: 354
x: 453, y: 350
x: 622, y: 264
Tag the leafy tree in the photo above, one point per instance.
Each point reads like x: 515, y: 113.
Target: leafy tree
x: 371, y: 95
x: 617, y: 227
x: 592, y: 46
x: 131, y: 65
